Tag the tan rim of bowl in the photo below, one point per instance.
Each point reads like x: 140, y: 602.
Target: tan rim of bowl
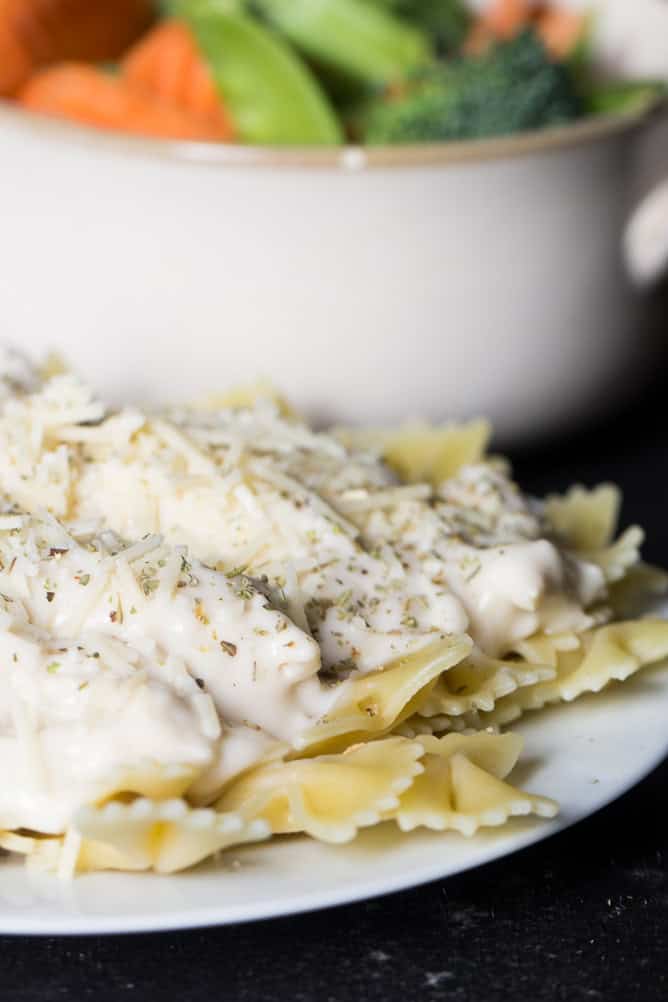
x: 349, y: 157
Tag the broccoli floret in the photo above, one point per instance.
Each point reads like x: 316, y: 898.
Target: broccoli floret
x: 513, y: 87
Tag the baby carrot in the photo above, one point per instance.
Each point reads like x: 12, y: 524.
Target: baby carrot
x: 15, y: 61
x: 82, y: 93
x: 561, y: 30
x: 506, y: 18
x: 167, y: 64
x: 34, y: 33
x: 502, y: 20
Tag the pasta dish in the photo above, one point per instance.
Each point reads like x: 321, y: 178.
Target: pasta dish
x: 218, y: 625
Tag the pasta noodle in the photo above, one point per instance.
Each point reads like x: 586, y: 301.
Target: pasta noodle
x: 448, y: 783
x: 218, y: 625
x: 419, y: 452
x: 462, y: 787
x: 373, y: 705
x: 610, y: 653
x: 478, y: 682
x: 163, y: 835
x: 639, y: 588
x: 587, y: 520
x: 330, y: 796
x: 417, y: 726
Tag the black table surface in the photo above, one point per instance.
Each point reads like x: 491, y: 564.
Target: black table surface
x: 581, y: 916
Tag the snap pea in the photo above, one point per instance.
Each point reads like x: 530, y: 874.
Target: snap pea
x: 447, y: 21
x: 272, y: 95
x: 353, y: 36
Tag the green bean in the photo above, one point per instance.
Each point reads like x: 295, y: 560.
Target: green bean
x: 353, y: 36
x: 272, y: 95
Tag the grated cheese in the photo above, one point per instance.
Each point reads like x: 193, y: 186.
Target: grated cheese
x: 172, y: 585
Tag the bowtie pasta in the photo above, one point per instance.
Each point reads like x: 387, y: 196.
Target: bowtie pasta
x: 218, y: 625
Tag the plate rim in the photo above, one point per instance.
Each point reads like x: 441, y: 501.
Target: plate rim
x: 311, y: 901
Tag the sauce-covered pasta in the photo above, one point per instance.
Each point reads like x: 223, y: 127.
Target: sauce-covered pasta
x: 216, y: 623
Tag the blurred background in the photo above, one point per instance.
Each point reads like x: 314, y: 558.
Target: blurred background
x: 388, y: 208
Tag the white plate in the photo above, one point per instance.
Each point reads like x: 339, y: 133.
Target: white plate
x: 584, y: 755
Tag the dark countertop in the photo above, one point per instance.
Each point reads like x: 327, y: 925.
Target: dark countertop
x: 582, y: 916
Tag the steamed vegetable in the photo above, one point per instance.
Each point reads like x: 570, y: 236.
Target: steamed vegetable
x: 310, y: 72
x: 353, y: 36
x: 446, y: 21
x: 511, y: 88
x: 272, y: 96
x: 34, y: 33
x: 618, y: 97
x: 168, y: 65
x: 80, y: 92
x: 560, y: 29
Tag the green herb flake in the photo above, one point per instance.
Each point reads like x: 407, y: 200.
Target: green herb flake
x: 236, y: 571
x: 344, y: 598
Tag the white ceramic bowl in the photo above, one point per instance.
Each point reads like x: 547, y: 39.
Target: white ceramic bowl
x: 444, y: 280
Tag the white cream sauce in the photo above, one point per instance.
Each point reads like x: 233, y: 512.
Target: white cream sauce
x: 112, y: 657
x: 207, y: 668
x: 378, y: 566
